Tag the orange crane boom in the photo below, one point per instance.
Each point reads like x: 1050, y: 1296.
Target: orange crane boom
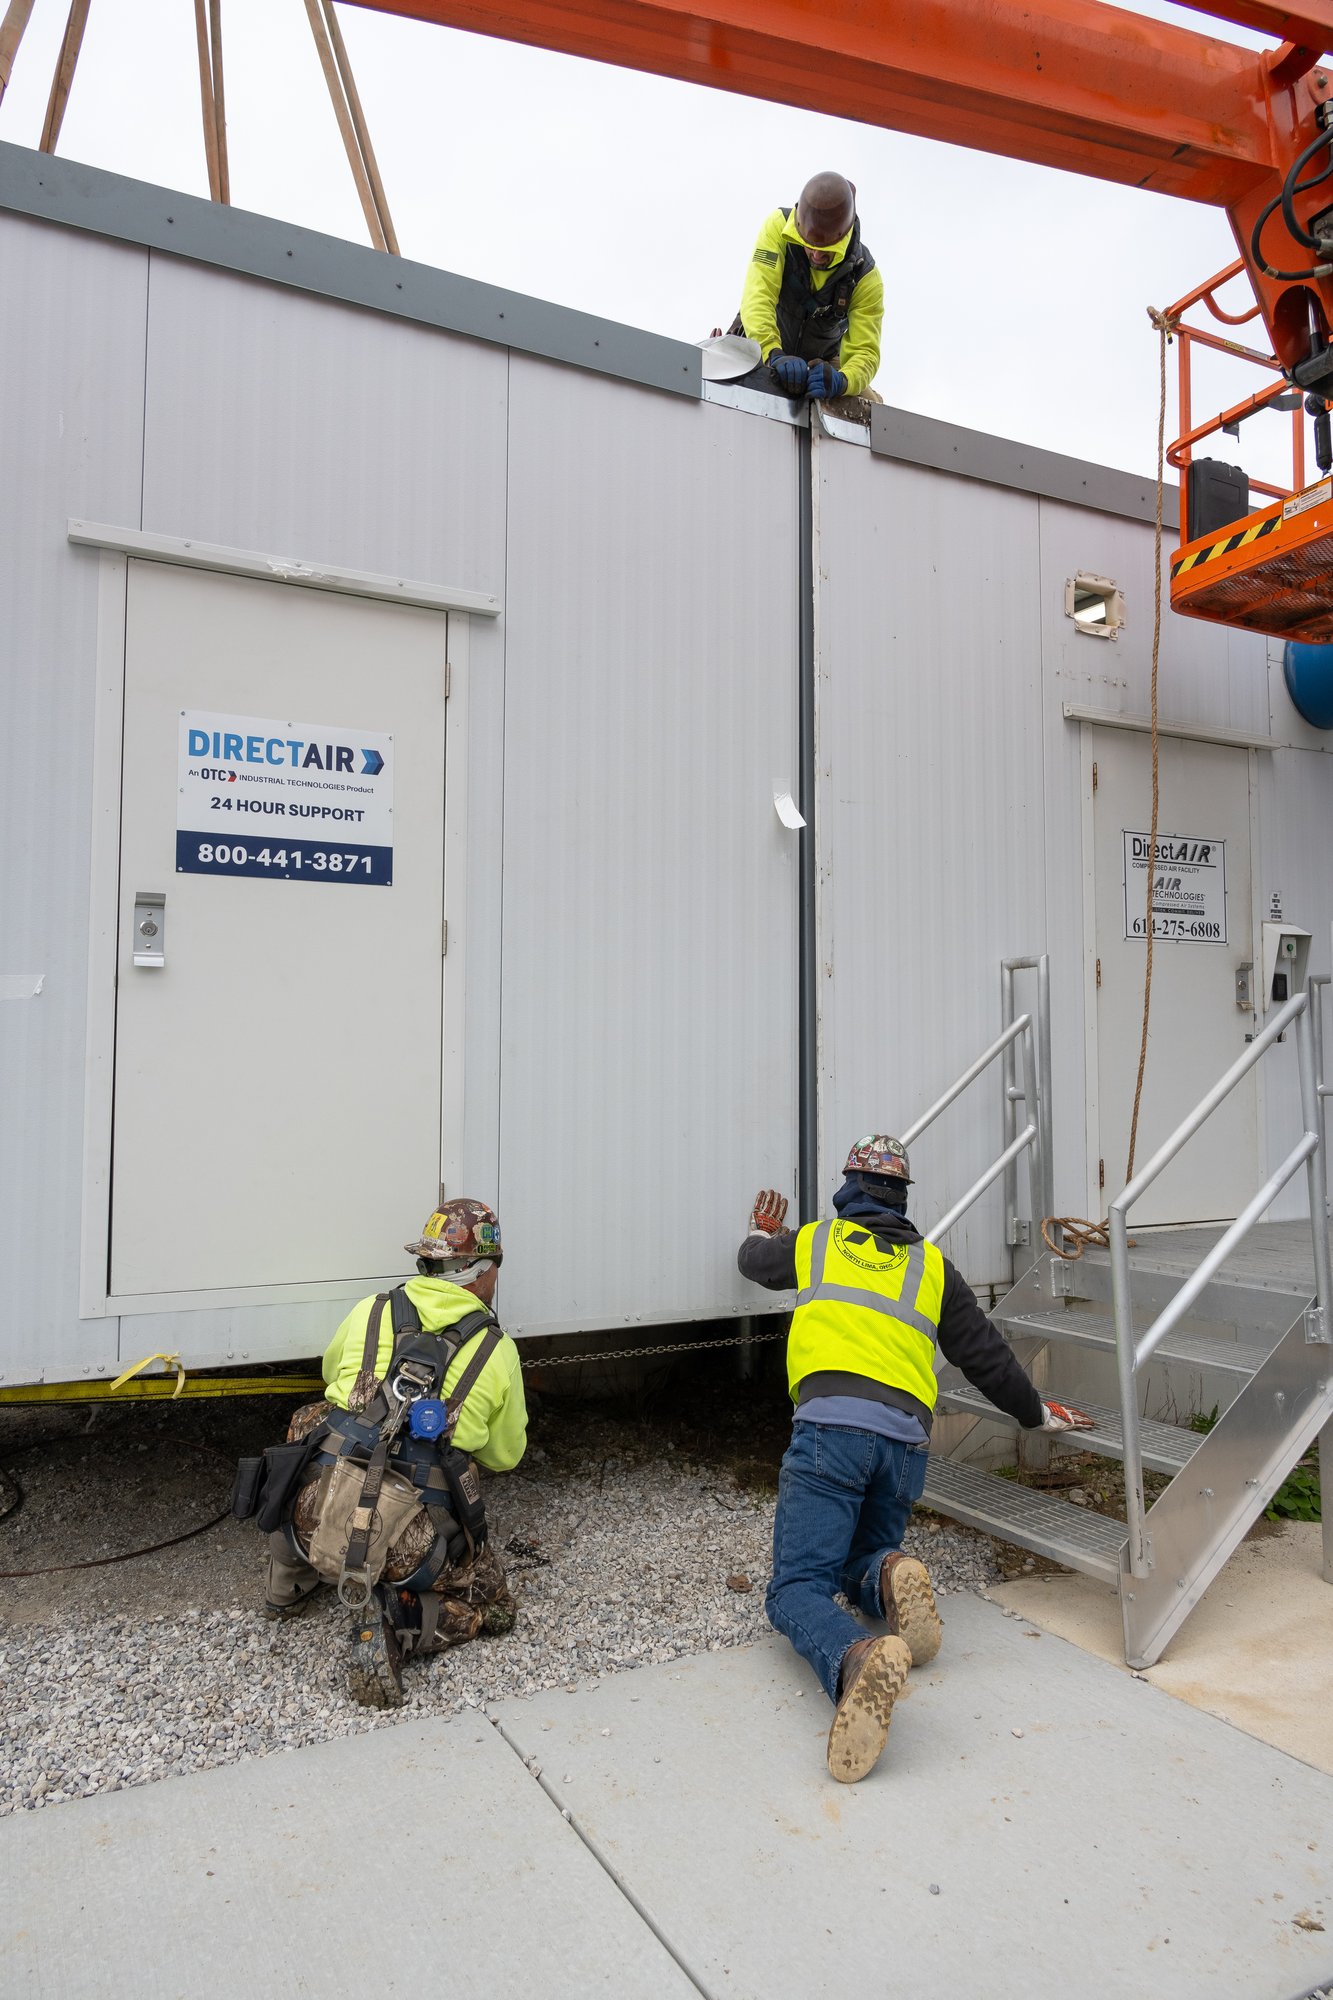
x: 1074, y: 84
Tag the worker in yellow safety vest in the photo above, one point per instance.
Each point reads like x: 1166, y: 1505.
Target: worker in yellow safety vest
x: 813, y: 298
x: 378, y: 1492
x: 874, y: 1305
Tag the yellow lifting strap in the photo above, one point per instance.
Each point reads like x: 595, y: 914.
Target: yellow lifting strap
x: 153, y: 1388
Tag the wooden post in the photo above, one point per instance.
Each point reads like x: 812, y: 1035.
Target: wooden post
x: 64, y: 76
x: 362, y: 129
x: 219, y: 103
x: 11, y: 34
x: 339, y: 102
x: 206, y: 101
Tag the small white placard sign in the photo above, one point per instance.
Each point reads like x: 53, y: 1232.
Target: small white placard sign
x: 1189, y: 894
x: 295, y: 801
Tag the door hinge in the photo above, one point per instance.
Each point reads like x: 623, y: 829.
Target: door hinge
x: 444, y: 937
x: 1099, y: 972
x: 1101, y: 1173
x: 448, y: 679
x: 1094, y: 777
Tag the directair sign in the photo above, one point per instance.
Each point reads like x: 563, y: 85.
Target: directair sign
x: 226, y: 746
x: 296, y: 801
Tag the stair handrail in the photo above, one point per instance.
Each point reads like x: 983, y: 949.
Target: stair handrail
x: 1044, y: 1201
x: 1131, y: 1355
x: 1323, y: 1090
x: 1022, y: 1032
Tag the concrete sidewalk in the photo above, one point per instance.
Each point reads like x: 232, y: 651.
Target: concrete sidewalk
x: 1041, y: 1824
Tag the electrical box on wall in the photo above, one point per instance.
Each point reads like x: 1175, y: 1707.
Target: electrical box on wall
x: 1286, y: 957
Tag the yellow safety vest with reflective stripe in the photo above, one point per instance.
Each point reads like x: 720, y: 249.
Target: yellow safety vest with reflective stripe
x: 865, y: 1308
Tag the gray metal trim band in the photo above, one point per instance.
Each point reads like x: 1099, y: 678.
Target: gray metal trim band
x: 871, y: 1301
x: 918, y: 440
x: 62, y: 191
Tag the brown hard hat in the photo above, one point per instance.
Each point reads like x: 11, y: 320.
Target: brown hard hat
x: 826, y: 210
x: 459, y: 1233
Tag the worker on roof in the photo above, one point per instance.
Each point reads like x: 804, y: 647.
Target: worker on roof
x: 422, y: 1387
x: 873, y: 1303
x: 813, y: 297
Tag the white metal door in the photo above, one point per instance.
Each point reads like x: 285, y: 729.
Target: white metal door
x: 277, y: 1076
x: 1202, y: 932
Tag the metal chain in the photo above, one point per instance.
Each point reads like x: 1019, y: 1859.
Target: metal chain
x: 643, y: 1353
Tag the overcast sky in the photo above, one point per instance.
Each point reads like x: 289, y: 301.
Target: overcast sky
x: 1015, y: 296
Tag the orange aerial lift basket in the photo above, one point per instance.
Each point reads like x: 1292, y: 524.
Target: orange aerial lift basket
x: 1270, y: 570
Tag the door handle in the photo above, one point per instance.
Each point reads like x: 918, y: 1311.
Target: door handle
x: 150, y: 928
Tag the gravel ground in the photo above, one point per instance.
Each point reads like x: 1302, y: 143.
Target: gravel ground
x: 623, y: 1529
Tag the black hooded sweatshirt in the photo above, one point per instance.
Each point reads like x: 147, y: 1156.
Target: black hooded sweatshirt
x: 967, y: 1338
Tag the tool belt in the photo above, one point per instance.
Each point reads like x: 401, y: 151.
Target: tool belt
x: 375, y: 1476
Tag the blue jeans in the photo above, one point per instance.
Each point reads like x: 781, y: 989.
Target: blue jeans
x: 844, y: 1501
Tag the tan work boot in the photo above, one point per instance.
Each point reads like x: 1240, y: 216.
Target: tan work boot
x: 909, y: 1606
x: 874, y: 1673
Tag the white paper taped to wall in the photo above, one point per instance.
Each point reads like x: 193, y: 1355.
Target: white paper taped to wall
x: 785, y: 806
x: 20, y: 985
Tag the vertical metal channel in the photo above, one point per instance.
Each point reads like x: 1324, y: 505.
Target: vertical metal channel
x: 807, y: 1190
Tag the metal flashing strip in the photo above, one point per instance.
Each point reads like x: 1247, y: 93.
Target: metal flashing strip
x: 734, y: 396
x: 282, y: 569
x: 1192, y: 732
x: 918, y: 440
x: 63, y: 191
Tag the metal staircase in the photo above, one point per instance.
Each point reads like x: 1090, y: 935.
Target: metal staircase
x: 1245, y: 1331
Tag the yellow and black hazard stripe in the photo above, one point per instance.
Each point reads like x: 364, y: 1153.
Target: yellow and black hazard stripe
x: 1224, y: 548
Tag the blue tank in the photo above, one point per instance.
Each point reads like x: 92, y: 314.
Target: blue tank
x: 1308, y: 672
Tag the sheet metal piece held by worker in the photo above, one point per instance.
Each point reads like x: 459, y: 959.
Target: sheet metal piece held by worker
x: 873, y: 1303
x: 382, y: 1495
x: 813, y: 297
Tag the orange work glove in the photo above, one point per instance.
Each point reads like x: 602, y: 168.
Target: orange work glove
x: 769, y: 1212
x: 1064, y: 1417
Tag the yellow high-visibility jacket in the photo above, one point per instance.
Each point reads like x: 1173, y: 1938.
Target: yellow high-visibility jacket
x: 865, y: 1308
x: 493, y: 1423
x: 859, y: 358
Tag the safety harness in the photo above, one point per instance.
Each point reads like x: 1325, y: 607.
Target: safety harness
x: 814, y: 323
x: 409, y: 1393
x: 401, y: 1428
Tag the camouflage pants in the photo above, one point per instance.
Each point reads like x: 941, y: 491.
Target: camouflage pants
x: 473, y: 1597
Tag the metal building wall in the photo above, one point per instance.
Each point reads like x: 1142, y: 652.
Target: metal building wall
x: 649, y: 1038
x: 72, y: 320
x: 1295, y: 788
x: 279, y: 421
x: 931, y: 821
x: 1208, y: 677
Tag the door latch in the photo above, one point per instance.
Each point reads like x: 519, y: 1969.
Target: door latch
x: 150, y: 928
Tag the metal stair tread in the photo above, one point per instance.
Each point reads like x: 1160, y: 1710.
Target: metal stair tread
x: 1096, y: 1329
x: 1031, y: 1519
x: 1165, y: 1447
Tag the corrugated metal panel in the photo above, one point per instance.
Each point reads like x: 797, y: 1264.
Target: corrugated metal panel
x: 1207, y: 675
x: 1296, y: 866
x: 72, y: 318
x: 648, y: 1081
x: 277, y: 421
x: 67, y: 191
x: 931, y: 819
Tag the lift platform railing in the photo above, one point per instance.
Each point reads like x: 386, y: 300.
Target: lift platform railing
x: 1278, y: 394
x: 1131, y: 1353
x: 1028, y: 1042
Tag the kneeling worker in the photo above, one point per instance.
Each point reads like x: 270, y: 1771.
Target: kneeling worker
x: 813, y: 298
x: 422, y: 1382
x: 873, y: 1300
